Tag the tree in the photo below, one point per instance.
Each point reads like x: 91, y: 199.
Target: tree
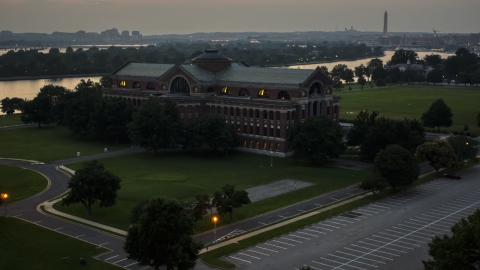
x: 372, y: 64
x: 458, y: 251
x: 419, y: 78
x: 212, y: 133
x: 39, y: 110
x: 228, y: 199
x: 432, y: 59
x: 337, y: 71
x: 10, y: 105
x: 162, y: 236
x: 318, y: 138
x: 379, y: 73
x: 106, y: 82
x: 347, y: 76
x: 397, y: 165
x: 200, y: 208
x: 324, y: 69
x: 439, y: 153
x: 361, y: 125
x: 373, y: 183
x: 475, y: 77
x: 360, y: 71
x: 110, y: 119
x: 380, y: 82
x: 54, y: 92
x: 463, y: 77
x: 156, y: 125
x: 362, y: 82
x: 435, y: 76
x: 402, y: 56
x: 92, y: 183
x: 438, y: 115
x: 463, y: 147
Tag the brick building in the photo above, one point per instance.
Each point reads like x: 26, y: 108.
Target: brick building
x: 261, y: 103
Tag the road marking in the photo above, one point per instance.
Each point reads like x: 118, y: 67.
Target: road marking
x: 376, y: 250
x: 363, y: 242
x: 267, y: 249
x: 130, y: 264
x: 335, y: 222
x: 145, y: 268
x: 321, y: 228
x: 79, y: 236
x: 318, y: 204
x: 281, y: 216
x: 365, y: 253
x: 121, y: 260
x: 258, y: 252
x: 427, y: 234
x: 291, y: 240
x: 397, y: 240
x: 263, y: 223
x: 376, y: 205
x: 17, y: 215
x: 300, y: 210
x: 334, y: 199
x: 343, y: 220
x: 314, y: 231
x: 324, y: 264
x: 349, y: 265
x: 389, y: 245
x: 425, y: 238
x: 103, y: 244
x: 37, y: 221
x: 348, y: 259
x: 299, y: 236
x: 328, y: 225
x: 111, y: 258
x: 283, y: 243
x: 58, y: 229
x: 274, y: 246
x: 239, y: 259
x: 356, y: 256
x: 365, y: 210
x: 249, y: 256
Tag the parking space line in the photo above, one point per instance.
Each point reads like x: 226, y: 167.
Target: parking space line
x: 267, y: 249
x: 130, y: 264
x: 328, y: 225
x: 401, y: 233
x: 395, y: 199
x: 431, y: 225
x: 299, y: 236
x: 262, y: 223
x: 283, y: 243
x: 300, y: 210
x: 383, y: 247
x: 443, y: 212
x: 349, y: 265
x: 348, y: 259
x: 335, y: 218
x: 120, y: 260
x: 103, y: 244
x: 317, y: 204
x: 58, y: 229
x: 367, y: 259
x: 79, y: 235
x: 375, y: 205
x: 274, y: 246
x: 314, y: 235
x: 369, y: 254
x: 325, y: 264
x: 428, y: 219
x: 391, y: 204
x: 322, y: 228
x: 291, y: 240
x: 427, y: 234
x: 111, y: 258
x: 258, y: 252
x: 37, y: 221
x: 315, y: 231
x: 145, y: 268
x: 364, y: 210
x: 239, y: 259
x: 457, y: 205
x: 281, y: 216
x: 396, y: 245
x: 249, y: 256
x: 397, y: 241
x: 335, y: 222
x: 376, y: 250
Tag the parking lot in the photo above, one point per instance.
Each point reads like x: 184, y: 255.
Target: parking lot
x: 382, y: 235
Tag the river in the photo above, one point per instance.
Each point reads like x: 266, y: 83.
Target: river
x: 29, y: 88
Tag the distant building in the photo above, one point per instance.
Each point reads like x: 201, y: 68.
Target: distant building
x: 417, y: 68
x: 262, y: 104
x: 136, y: 35
x: 125, y: 36
x: 385, y: 25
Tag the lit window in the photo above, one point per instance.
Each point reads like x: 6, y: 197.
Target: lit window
x: 251, y: 143
x: 257, y: 144
x: 244, y: 142
x: 271, y: 146
x: 136, y: 85
x: 123, y: 83
x: 263, y: 93
x: 278, y: 147
x: 283, y: 95
x: 264, y: 145
x: 225, y: 91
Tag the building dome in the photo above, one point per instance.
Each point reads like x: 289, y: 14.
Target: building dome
x: 212, y: 60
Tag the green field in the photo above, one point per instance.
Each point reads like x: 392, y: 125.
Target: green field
x: 48, y: 143
x: 10, y: 120
x: 412, y: 101
x: 20, y: 183
x: 183, y: 176
x: 27, y: 246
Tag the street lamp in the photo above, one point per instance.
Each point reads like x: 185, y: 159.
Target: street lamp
x: 271, y: 159
x: 4, y: 197
x: 215, y: 219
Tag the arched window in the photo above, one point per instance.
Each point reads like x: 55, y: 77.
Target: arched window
x: 263, y: 93
x: 243, y: 93
x: 283, y: 95
x: 210, y: 90
x: 225, y: 91
x: 151, y: 86
x: 179, y: 85
x: 316, y: 88
x: 122, y: 84
x: 136, y: 85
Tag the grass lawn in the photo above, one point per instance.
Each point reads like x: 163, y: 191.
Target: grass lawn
x: 27, y: 246
x: 183, y: 176
x: 399, y: 102
x: 20, y: 183
x: 48, y: 143
x: 10, y: 120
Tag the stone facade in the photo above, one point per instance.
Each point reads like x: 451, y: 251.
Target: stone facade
x: 260, y: 103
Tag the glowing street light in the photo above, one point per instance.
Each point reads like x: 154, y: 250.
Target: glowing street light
x: 215, y: 219
x: 4, y: 197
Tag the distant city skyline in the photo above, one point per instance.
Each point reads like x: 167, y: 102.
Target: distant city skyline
x: 188, y: 16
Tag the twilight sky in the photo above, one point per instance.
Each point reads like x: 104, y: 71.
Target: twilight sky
x: 188, y: 16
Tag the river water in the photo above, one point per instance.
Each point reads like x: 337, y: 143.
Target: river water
x: 29, y: 88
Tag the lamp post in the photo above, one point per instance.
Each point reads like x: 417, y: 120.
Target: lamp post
x: 4, y: 197
x: 271, y: 159
x: 215, y: 219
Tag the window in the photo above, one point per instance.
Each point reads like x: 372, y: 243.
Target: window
x: 179, y: 85
x: 316, y: 88
x: 225, y: 91
x: 210, y: 90
x: 251, y: 144
x: 123, y: 84
x: 151, y: 86
x: 243, y: 93
x: 278, y: 147
x: 264, y: 145
x: 136, y: 85
x: 283, y: 95
x: 263, y: 93
x: 244, y: 143
x: 257, y: 144
x: 271, y: 146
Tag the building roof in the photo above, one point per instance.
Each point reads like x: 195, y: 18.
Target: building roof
x: 211, y: 55
x: 142, y: 70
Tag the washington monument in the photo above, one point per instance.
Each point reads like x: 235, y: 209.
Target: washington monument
x: 385, y: 25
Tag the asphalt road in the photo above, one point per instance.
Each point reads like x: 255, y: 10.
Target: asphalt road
x: 389, y: 234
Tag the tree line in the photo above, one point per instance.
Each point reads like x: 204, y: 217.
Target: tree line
x: 97, y: 61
